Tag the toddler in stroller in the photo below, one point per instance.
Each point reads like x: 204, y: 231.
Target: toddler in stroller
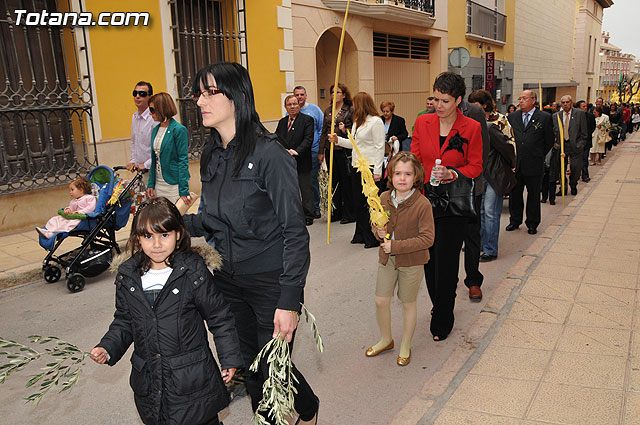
x: 82, y: 202
x: 97, y: 230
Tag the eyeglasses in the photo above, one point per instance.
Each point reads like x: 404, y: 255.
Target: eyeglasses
x: 524, y: 98
x: 207, y: 94
x: 140, y: 93
x: 152, y: 109
x: 338, y: 92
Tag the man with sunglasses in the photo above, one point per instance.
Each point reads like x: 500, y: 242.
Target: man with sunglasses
x: 141, y: 125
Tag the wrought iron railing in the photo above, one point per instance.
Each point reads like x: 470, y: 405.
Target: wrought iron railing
x: 427, y: 6
x: 46, y: 122
x: 204, y: 32
x: 486, y: 23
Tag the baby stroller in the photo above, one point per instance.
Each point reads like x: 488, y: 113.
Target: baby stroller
x: 98, y: 232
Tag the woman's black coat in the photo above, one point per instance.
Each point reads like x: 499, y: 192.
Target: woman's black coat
x: 498, y: 170
x: 397, y: 127
x: 174, y: 377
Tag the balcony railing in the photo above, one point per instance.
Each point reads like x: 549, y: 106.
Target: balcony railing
x: 427, y: 6
x: 415, y: 12
x: 485, y: 24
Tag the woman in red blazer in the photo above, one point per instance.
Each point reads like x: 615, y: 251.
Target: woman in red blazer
x: 456, y: 140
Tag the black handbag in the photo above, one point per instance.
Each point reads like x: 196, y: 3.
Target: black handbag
x: 453, y: 199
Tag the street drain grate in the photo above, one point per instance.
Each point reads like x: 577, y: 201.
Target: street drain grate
x: 637, y: 181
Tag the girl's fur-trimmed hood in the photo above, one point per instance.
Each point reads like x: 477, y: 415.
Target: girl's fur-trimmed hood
x: 207, y: 252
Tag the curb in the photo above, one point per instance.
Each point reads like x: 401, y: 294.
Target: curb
x: 28, y: 274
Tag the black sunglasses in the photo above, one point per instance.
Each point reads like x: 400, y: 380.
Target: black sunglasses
x: 141, y: 93
x: 152, y: 109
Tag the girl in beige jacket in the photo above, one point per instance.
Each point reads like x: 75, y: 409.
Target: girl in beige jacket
x: 403, y: 252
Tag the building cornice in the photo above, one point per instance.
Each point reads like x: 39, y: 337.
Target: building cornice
x: 550, y: 85
x: 605, y: 3
x: 386, y: 11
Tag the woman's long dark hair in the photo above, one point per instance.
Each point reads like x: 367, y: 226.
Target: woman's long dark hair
x: 156, y: 215
x: 233, y: 81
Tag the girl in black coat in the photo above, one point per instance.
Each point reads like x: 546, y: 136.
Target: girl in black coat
x: 164, y: 293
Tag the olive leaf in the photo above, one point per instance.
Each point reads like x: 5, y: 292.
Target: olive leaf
x: 63, y: 371
x: 278, y: 389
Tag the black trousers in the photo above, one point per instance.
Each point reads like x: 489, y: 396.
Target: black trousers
x: 343, y: 199
x: 585, y: 163
x: 577, y: 157
x: 441, y: 272
x: 253, y: 300
x: 306, y: 191
x: 576, y: 165
x: 549, y: 186
x: 363, y: 220
x: 472, y: 246
x: 611, y: 143
x: 516, y: 203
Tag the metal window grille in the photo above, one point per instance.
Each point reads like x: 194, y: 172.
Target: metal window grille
x: 204, y: 32
x: 484, y: 22
x: 46, y: 123
x: 399, y: 46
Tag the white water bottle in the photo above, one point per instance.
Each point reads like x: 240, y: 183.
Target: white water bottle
x: 433, y: 180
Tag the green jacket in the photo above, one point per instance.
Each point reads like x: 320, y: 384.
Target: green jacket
x: 174, y: 157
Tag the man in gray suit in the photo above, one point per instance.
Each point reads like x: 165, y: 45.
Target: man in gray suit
x: 576, y: 136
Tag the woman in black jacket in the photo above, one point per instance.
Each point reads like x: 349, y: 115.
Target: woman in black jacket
x: 395, y: 128
x: 343, y: 201
x: 615, y: 117
x: 253, y: 213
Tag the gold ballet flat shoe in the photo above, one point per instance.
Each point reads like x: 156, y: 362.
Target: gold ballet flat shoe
x: 403, y: 361
x: 372, y: 353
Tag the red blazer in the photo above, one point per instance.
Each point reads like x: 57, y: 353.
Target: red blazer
x: 425, y: 144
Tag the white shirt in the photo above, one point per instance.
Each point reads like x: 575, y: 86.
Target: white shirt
x: 141, y: 126
x: 370, y: 140
x: 155, y: 279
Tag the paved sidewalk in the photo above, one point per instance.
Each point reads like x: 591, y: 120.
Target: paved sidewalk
x: 559, y: 341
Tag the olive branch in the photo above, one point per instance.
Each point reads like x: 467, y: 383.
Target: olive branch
x: 63, y: 370
x: 278, y: 389
x: 323, y: 184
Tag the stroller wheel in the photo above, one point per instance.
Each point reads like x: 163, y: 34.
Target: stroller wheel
x: 75, y: 282
x: 52, y: 273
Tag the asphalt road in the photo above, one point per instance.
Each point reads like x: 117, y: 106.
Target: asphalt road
x: 353, y: 389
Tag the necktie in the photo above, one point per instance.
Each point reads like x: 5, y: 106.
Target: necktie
x: 526, y: 119
x: 566, y: 118
x: 289, y: 124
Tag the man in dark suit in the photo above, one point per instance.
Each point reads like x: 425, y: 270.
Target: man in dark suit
x: 591, y: 127
x: 296, y: 135
x: 533, y: 133
x: 574, y: 123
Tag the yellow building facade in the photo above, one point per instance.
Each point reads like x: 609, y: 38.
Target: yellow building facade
x: 484, y: 27
x: 180, y: 37
x: 393, y: 50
